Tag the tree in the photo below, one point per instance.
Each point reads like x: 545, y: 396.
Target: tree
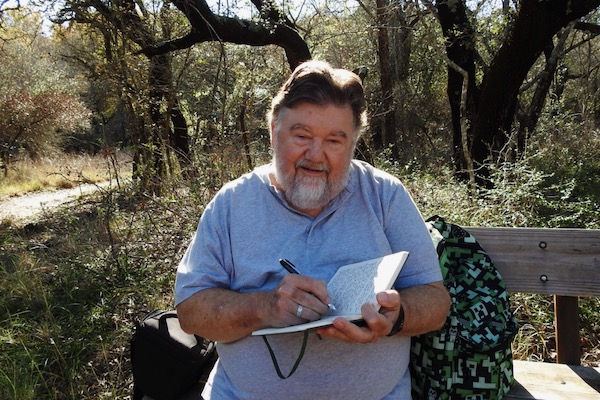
x: 387, y: 137
x: 406, y: 104
x: 161, y: 129
x: 528, y: 118
x: 168, y: 128
x: 396, y: 21
x: 490, y: 105
x: 39, y: 100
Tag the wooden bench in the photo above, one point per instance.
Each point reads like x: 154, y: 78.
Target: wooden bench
x: 564, y: 263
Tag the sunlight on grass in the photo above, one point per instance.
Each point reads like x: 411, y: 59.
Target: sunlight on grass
x: 62, y: 172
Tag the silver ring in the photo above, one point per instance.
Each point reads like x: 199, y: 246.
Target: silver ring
x: 299, y: 311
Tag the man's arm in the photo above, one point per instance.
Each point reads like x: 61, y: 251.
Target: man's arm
x: 425, y: 310
x: 222, y: 314
x: 226, y: 316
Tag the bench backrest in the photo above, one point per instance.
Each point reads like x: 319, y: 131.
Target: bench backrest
x: 564, y: 262
x: 560, y: 262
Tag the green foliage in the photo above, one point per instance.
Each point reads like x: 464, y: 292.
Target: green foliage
x: 240, y: 85
x: 522, y: 196
x: 567, y: 146
x: 38, y: 97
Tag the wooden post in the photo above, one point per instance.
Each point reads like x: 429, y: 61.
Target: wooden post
x: 566, y: 319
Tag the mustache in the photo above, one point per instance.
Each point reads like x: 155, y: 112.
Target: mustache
x: 313, y: 166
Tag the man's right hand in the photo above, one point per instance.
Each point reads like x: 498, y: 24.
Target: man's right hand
x: 298, y: 299
x: 226, y: 316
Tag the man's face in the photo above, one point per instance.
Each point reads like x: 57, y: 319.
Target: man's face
x: 313, y: 147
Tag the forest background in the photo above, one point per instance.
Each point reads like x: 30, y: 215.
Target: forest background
x: 488, y: 110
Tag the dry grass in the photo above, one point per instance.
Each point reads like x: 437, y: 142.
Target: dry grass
x: 62, y: 172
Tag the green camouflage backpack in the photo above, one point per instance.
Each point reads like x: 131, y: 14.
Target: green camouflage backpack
x: 470, y: 357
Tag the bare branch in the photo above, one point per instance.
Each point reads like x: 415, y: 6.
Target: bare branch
x: 208, y: 26
x: 588, y: 27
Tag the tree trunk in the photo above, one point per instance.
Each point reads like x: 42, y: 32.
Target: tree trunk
x: 180, y: 138
x: 528, y: 121
x: 387, y: 135
x: 491, y: 109
x: 160, y: 87
x: 460, y: 50
x: 401, y: 38
x: 244, y: 134
x: 535, y: 25
x: 5, y: 162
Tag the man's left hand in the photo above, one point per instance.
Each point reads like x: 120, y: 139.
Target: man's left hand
x: 378, y: 323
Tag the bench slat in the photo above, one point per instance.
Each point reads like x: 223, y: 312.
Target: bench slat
x: 538, y: 380
x: 567, y: 258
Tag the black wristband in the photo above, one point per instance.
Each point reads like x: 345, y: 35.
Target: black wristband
x: 399, y: 324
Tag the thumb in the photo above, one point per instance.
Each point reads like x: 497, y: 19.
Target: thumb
x: 389, y: 299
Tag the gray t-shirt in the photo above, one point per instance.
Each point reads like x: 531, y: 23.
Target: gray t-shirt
x: 248, y: 227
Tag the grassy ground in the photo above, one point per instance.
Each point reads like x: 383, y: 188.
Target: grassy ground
x: 62, y: 172
x: 72, y: 286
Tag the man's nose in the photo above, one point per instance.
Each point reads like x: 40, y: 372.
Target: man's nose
x: 315, y: 151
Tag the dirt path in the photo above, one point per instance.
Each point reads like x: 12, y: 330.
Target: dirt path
x: 29, y: 206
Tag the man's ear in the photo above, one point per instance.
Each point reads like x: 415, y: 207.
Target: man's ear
x: 272, y: 133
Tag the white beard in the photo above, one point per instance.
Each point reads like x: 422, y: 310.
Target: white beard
x: 308, y: 193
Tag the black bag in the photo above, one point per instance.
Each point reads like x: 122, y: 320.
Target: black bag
x: 167, y: 362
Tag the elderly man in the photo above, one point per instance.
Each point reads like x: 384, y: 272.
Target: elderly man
x: 321, y: 209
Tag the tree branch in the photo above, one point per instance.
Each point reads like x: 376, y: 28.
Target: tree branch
x: 588, y: 27
x: 208, y: 27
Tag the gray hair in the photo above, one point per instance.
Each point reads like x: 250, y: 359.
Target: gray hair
x: 317, y: 82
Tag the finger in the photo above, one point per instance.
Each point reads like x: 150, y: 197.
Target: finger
x: 312, y: 303
x: 389, y: 299
x: 310, y: 285
x: 335, y: 333
x: 286, y: 298
x: 376, y: 327
x: 305, y: 313
x: 347, y: 331
x: 282, y: 310
x: 306, y: 291
x: 378, y: 321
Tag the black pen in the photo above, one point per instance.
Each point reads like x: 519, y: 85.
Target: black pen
x: 289, y: 267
